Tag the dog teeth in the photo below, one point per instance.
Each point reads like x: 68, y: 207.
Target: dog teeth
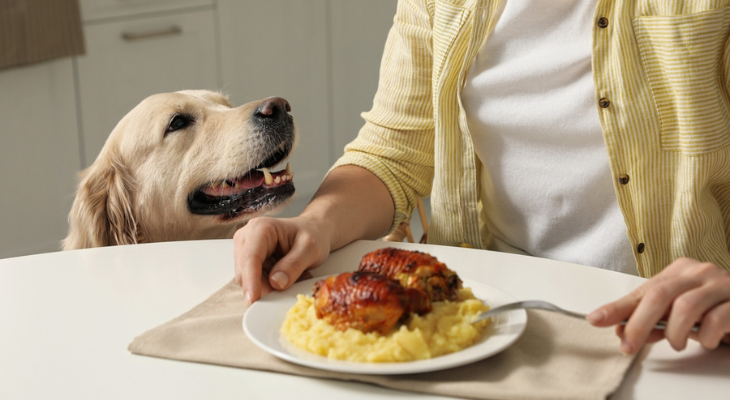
x: 268, y: 179
x: 285, y: 175
x: 224, y: 184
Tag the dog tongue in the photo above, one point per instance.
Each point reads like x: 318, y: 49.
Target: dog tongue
x: 249, y: 181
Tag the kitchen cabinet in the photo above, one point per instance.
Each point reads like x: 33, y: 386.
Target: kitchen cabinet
x: 39, y: 156
x: 95, y: 10
x: 130, y: 59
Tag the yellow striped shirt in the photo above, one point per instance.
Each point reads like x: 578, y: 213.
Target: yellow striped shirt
x: 661, y: 69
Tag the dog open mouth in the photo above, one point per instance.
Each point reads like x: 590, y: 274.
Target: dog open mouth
x: 257, y: 189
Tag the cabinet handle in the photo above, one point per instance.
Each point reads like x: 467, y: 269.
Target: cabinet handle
x: 132, y: 36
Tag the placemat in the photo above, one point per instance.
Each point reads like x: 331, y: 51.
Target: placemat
x: 557, y: 357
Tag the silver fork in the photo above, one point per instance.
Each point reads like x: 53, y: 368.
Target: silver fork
x: 544, y: 305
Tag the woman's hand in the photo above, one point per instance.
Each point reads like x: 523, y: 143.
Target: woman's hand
x: 685, y: 293
x: 270, y: 253
x: 274, y: 253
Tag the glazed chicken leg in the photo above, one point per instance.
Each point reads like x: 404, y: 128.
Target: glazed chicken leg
x: 366, y: 301
x: 414, y: 269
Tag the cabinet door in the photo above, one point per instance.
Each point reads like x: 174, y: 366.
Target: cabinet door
x: 159, y: 54
x: 39, y: 156
x: 279, y: 48
x: 100, y: 9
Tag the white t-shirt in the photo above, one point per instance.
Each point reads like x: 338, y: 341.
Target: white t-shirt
x: 530, y: 99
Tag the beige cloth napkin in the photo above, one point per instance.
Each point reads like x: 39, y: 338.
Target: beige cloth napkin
x: 32, y: 31
x: 557, y: 357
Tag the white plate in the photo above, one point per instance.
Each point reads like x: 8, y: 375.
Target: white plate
x: 264, y: 318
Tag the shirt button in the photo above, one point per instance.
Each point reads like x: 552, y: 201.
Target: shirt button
x: 604, y: 103
x: 602, y: 22
x: 623, y: 179
x: 640, y: 248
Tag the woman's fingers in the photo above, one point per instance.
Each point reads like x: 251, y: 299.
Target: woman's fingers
x: 726, y: 339
x: 706, y: 305
x: 657, y: 300
x: 623, y: 308
x: 715, y: 328
x: 271, y: 254
x: 620, y: 310
x: 654, y: 336
x: 685, y: 293
x: 305, y: 253
x: 254, y: 243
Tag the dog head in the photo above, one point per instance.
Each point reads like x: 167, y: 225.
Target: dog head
x: 184, y: 165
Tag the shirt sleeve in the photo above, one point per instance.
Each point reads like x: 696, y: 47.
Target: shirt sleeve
x: 397, y: 141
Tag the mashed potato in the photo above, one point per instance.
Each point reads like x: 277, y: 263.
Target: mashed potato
x: 446, y: 329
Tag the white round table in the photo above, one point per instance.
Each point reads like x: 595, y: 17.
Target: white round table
x: 66, y: 320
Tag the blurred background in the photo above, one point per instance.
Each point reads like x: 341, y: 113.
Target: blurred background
x: 323, y: 56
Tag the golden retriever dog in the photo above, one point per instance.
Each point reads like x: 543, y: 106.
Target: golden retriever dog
x: 182, y: 166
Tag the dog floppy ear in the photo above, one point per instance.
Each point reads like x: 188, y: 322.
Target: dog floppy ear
x: 102, y: 213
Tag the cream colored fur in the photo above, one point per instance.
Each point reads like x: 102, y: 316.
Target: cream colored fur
x: 136, y: 190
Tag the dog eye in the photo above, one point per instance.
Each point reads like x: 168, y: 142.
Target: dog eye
x: 178, y: 122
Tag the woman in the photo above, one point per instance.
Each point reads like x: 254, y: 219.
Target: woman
x: 589, y: 132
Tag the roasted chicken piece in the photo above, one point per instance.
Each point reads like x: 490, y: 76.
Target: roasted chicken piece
x: 366, y: 301
x: 414, y: 269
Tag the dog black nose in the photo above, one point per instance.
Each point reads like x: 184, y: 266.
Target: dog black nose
x: 272, y: 107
